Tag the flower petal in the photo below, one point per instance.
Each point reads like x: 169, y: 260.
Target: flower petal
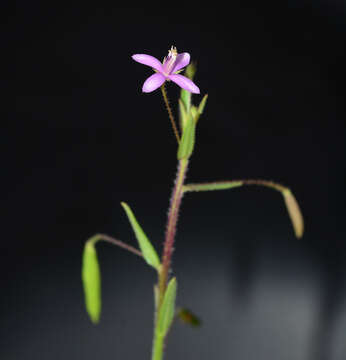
x: 182, y: 60
x: 185, y: 83
x: 148, y: 60
x: 153, y: 82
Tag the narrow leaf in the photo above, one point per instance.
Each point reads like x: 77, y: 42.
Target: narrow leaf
x: 294, y: 213
x: 217, y: 185
x: 188, y: 317
x: 148, y: 251
x: 185, y: 95
x: 167, y: 309
x: 183, y: 115
x: 91, y: 278
x: 187, y: 141
x: 202, y: 104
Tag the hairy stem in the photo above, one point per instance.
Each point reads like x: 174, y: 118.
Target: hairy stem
x: 177, y: 194
x: 224, y: 185
x: 172, y: 226
x: 170, y: 113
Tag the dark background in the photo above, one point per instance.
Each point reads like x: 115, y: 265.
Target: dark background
x: 84, y: 138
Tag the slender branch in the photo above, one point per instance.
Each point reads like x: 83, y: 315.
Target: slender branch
x: 224, y: 185
x: 266, y: 183
x: 170, y: 113
x: 119, y: 243
x: 210, y: 186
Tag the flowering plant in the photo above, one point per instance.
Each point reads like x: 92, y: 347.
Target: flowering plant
x: 165, y: 290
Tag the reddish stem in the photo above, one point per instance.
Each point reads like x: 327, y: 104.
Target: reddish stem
x: 119, y: 243
x: 171, y: 228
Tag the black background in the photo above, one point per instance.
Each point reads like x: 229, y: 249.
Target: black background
x: 85, y: 138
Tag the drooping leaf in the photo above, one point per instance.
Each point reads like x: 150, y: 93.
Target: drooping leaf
x: 167, y: 309
x: 148, y: 251
x: 291, y: 203
x: 294, y: 212
x: 91, y: 278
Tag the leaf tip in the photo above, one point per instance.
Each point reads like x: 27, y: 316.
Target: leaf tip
x: 95, y: 318
x: 294, y: 212
x: 173, y: 282
x: 202, y: 104
x: 127, y: 208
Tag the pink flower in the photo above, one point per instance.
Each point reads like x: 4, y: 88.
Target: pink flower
x: 166, y: 71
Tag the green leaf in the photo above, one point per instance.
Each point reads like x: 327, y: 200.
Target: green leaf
x: 187, y: 141
x: 202, y: 104
x: 185, y: 95
x: 148, y: 251
x: 217, y: 185
x: 183, y: 115
x: 294, y: 212
x: 166, y: 314
x: 91, y: 278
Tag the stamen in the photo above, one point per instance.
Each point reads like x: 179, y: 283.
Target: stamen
x: 173, y: 52
x: 169, y: 61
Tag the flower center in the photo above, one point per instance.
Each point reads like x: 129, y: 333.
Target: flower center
x: 169, y: 61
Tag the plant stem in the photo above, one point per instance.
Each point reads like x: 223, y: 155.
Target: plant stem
x: 171, y: 228
x: 177, y: 194
x: 158, y: 346
x: 170, y: 113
